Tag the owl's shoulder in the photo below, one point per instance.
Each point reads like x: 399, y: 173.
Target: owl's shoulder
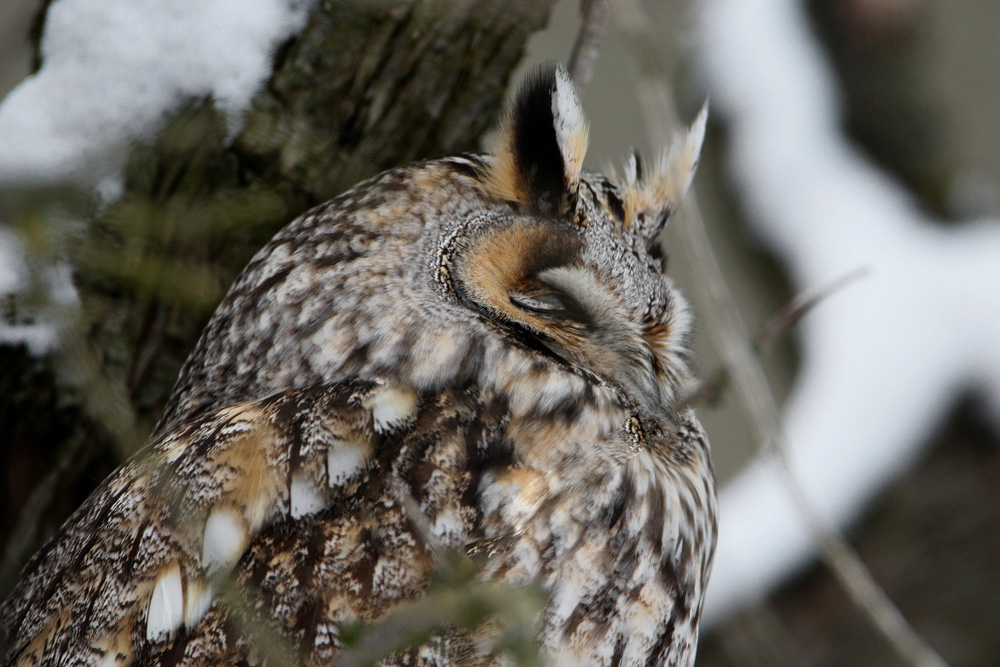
x: 297, y: 496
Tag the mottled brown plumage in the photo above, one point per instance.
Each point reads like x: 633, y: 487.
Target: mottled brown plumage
x: 489, y: 339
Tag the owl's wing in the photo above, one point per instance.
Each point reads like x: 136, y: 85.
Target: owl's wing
x: 295, y: 496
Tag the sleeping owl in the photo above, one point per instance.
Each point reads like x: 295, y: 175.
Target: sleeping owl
x: 478, y: 354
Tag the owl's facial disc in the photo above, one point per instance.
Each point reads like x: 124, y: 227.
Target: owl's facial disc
x: 594, y: 330
x: 529, y: 278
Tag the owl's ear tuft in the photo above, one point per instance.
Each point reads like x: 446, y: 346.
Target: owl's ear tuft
x: 652, y: 194
x: 541, y: 144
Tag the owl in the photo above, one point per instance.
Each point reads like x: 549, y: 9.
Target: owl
x: 475, y: 355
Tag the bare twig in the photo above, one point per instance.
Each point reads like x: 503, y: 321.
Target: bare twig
x: 588, y: 42
x: 734, y: 344
x: 773, y: 329
x: 796, y: 309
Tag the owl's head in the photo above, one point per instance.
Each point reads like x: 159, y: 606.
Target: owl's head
x: 517, y: 270
x: 572, y: 264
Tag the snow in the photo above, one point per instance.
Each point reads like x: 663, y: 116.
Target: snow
x: 112, y: 71
x: 37, y: 334
x: 883, y: 360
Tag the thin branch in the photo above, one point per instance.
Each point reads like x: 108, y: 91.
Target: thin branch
x: 734, y: 344
x: 588, y: 42
x: 796, y: 309
x: 783, y: 320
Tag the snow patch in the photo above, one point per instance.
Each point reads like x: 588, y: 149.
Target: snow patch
x: 31, y: 327
x: 112, y: 70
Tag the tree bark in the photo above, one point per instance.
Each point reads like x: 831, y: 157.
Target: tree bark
x: 365, y: 86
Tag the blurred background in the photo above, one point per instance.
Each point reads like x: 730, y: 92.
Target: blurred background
x: 916, y: 86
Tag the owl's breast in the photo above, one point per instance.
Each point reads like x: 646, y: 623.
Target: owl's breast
x: 620, y: 536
